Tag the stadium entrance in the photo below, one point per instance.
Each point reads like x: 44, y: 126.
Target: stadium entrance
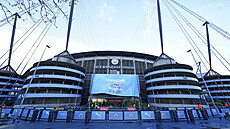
x: 114, y: 90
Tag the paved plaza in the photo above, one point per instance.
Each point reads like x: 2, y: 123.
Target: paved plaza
x: 212, y: 123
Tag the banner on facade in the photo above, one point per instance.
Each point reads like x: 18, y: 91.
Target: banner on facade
x: 115, y: 84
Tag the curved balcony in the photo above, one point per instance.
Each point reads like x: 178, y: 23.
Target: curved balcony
x: 11, y: 84
x: 171, y: 78
x: 11, y: 90
x: 58, y: 68
x: 9, y: 96
x: 53, y: 85
x: 216, y: 91
x: 215, y: 80
x: 12, y: 78
x: 220, y: 85
x: 174, y: 87
x: 50, y: 95
x: 219, y: 97
x: 174, y: 96
x: 55, y: 76
x: 168, y: 71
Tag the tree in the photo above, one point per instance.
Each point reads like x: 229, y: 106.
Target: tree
x: 45, y: 8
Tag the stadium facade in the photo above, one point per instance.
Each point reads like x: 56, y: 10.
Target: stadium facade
x: 110, y: 79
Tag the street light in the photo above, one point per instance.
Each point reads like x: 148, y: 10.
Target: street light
x: 199, y: 68
x: 27, y: 89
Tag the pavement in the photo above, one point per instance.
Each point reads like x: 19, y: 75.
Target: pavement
x: 212, y: 123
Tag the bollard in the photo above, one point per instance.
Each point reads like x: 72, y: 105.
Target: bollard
x: 69, y: 116
x: 51, y: 116
x: 87, y: 115
x: 35, y: 115
x: 158, y: 115
x: 191, y: 117
x: 204, y: 114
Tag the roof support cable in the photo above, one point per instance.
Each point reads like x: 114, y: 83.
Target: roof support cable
x: 136, y: 35
x: 213, y: 26
x: 50, y: 24
x: 200, y: 36
x: 188, y: 37
x: 32, y: 46
x: 90, y: 22
x: 38, y: 23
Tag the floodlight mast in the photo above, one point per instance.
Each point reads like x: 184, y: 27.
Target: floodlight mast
x: 160, y: 25
x: 208, y: 42
x: 70, y: 23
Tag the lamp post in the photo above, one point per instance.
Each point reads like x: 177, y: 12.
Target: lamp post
x: 27, y: 89
x: 199, y: 68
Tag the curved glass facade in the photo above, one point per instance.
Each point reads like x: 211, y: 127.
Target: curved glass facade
x: 172, y: 85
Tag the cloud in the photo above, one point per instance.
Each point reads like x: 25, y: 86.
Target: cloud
x: 106, y: 12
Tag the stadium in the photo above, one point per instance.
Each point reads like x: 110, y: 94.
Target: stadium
x: 114, y: 79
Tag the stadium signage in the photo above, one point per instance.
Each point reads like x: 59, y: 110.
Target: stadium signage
x: 114, y: 67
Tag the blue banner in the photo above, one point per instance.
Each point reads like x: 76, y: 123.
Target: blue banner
x: 147, y: 115
x: 165, y: 115
x: 214, y: 112
x: 130, y: 115
x: 194, y: 112
x: 79, y: 115
x: 115, y: 115
x: 209, y: 112
x: 181, y: 114
x: 115, y: 84
x: 45, y: 114
x: 98, y: 115
x: 62, y: 115
x: 25, y: 112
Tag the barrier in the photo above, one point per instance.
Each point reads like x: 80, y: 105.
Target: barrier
x: 209, y: 112
x: 30, y: 113
x: 225, y: 110
x: 61, y: 115
x: 115, y: 115
x: 147, y: 115
x: 130, y: 115
x: 195, y: 114
x: 98, y: 115
x: 181, y: 114
x: 45, y: 114
x: 214, y: 112
x: 15, y: 112
x: 25, y: 112
x: 165, y: 115
x: 6, y: 110
x: 200, y: 115
x: 79, y: 115
x: 180, y: 108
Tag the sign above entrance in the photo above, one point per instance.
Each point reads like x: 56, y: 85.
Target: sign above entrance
x: 115, y: 100
x: 114, y: 84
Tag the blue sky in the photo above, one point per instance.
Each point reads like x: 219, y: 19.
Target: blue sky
x: 126, y: 25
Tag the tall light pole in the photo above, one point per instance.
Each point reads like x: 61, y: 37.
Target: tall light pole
x: 27, y: 89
